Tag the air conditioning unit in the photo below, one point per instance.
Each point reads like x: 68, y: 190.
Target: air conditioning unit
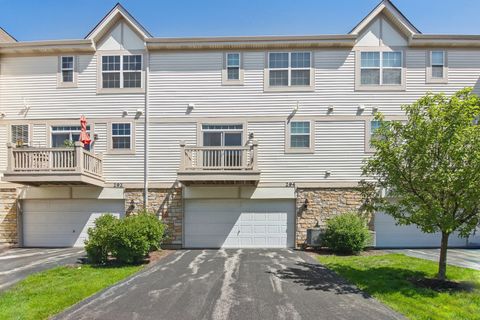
x: 315, y: 237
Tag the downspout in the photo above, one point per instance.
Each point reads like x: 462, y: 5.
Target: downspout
x: 145, y: 143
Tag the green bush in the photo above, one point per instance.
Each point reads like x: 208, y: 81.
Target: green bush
x: 99, y: 243
x: 346, y: 233
x: 127, y: 240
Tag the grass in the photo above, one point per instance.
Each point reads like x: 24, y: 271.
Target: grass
x: 385, y: 278
x: 44, y: 294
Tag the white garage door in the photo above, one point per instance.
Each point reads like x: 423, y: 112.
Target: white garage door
x: 63, y: 223
x: 389, y: 235
x: 239, y: 223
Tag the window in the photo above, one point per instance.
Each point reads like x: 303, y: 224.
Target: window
x: 233, y: 66
x: 289, y: 69
x: 437, y: 66
x: 63, y: 134
x: 299, y: 137
x: 67, y: 69
x: 121, y: 136
x: 381, y: 68
x: 372, y: 127
x: 19, y: 134
x: 122, y: 71
x: 218, y: 135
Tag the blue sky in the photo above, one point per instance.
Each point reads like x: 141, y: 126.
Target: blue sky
x: 69, y: 19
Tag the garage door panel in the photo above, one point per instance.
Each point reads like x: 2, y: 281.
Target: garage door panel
x: 390, y: 235
x: 63, y: 223
x: 239, y: 223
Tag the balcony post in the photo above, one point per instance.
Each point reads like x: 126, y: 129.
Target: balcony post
x: 254, y: 155
x: 182, y: 156
x: 10, y: 159
x: 79, y: 156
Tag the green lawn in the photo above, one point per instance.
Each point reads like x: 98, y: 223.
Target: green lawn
x: 384, y: 277
x: 47, y: 293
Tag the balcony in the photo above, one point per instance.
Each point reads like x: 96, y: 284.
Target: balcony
x: 216, y: 165
x: 53, y: 166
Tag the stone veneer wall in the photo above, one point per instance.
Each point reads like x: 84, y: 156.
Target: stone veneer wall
x: 166, y: 203
x: 8, y: 217
x: 323, y: 204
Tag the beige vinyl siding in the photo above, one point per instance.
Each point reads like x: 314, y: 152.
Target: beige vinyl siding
x: 339, y: 147
x: 126, y: 168
x: 33, y: 81
x: 100, y: 145
x: 180, y: 78
x: 3, y: 149
x: 164, y: 154
x: 39, y: 135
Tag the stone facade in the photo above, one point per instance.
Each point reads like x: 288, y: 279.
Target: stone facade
x: 166, y: 203
x: 8, y: 217
x: 318, y: 205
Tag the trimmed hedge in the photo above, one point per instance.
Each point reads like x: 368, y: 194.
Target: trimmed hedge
x: 127, y: 240
x: 346, y: 233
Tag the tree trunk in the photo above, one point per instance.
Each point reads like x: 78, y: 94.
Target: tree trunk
x: 442, y: 264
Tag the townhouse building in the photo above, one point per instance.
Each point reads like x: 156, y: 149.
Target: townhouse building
x: 232, y: 141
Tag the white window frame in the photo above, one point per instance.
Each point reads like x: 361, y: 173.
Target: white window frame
x: 121, y: 89
x: 131, y: 150
x: 29, y: 134
x: 70, y: 132
x: 429, y: 70
x: 60, y: 82
x: 289, y: 87
x: 288, y: 135
x: 381, y: 86
x: 241, y: 73
x: 201, y: 130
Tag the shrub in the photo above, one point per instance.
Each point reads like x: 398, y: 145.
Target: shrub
x: 346, y: 233
x: 99, y: 243
x: 127, y: 240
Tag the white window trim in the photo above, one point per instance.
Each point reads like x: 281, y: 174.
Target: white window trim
x: 60, y: 82
x: 101, y: 90
x: 380, y: 87
x: 428, y: 76
x: 241, y: 72
x: 53, y: 132
x: 267, y: 69
x: 200, y: 129
x: 288, y: 148
x: 30, y: 133
x: 110, y: 148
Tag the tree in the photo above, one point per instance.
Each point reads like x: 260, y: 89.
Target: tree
x: 430, y: 166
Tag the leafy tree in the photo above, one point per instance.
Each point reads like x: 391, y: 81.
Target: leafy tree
x: 430, y: 166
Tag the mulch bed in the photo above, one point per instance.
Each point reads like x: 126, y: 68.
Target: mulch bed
x: 442, y: 285
x: 157, y: 255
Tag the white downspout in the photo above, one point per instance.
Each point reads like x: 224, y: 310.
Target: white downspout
x: 145, y: 143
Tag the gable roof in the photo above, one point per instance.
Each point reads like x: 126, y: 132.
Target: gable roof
x: 117, y: 13
x: 5, y: 36
x: 387, y: 8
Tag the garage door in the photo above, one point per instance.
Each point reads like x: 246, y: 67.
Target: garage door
x: 389, y: 235
x: 239, y: 223
x: 63, y: 223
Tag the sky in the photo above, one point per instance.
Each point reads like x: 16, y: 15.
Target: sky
x: 73, y: 19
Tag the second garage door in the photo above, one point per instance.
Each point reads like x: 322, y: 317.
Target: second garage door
x: 239, y: 223
x: 63, y: 223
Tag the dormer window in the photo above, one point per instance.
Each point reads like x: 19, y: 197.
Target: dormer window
x: 121, y: 71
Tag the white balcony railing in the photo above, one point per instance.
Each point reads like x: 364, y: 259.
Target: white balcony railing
x: 33, y: 161
x: 242, y: 158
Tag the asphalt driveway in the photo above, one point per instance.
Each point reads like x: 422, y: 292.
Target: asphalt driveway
x: 466, y: 258
x: 16, y: 264
x: 232, y: 284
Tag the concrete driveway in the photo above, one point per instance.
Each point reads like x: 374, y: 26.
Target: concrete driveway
x: 16, y: 264
x: 232, y: 284
x: 466, y: 258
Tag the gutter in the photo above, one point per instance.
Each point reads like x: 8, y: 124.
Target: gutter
x: 145, y: 143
